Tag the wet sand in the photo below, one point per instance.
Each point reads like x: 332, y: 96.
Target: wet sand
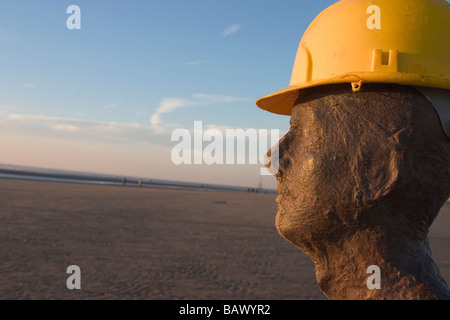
x: 149, y: 244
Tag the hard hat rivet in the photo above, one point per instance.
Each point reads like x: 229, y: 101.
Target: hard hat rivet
x: 356, y: 86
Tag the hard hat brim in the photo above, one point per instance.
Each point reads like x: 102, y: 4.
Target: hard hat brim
x: 282, y: 101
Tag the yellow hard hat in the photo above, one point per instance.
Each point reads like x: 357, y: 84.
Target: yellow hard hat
x: 362, y: 41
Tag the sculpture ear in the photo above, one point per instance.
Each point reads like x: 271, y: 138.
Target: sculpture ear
x: 383, y: 172
x: 384, y: 179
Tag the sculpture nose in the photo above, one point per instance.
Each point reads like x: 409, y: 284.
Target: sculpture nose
x: 271, y: 159
x: 277, y: 159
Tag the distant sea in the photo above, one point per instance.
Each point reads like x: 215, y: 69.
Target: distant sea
x: 53, y: 175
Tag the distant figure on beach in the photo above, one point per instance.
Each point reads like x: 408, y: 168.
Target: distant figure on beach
x: 124, y: 181
x: 365, y: 168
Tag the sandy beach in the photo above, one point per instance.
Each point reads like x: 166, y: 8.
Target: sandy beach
x: 151, y: 244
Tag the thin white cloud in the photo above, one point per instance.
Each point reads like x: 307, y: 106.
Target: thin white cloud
x: 112, y: 105
x: 28, y: 85
x: 232, y: 29
x: 193, y: 63
x: 31, y: 117
x: 168, y: 105
x: 64, y: 127
x: 71, y: 124
x: 81, y: 130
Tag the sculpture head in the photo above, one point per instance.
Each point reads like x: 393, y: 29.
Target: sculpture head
x: 377, y: 158
x: 375, y: 162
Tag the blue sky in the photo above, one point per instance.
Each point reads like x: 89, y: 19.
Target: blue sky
x: 106, y: 98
